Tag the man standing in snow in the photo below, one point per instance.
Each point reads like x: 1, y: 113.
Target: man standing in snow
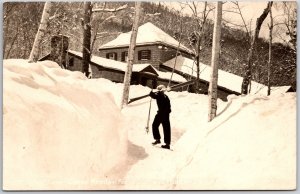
x: 162, y: 116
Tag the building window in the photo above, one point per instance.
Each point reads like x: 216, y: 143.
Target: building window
x: 124, y: 56
x: 144, y: 55
x: 112, y: 56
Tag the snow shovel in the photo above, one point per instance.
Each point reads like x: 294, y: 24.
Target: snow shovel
x: 147, y: 127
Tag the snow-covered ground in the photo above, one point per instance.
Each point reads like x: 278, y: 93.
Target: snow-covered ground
x: 63, y: 131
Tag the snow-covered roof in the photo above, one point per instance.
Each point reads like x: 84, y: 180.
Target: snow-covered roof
x: 112, y: 64
x: 161, y: 74
x: 117, y: 65
x: 148, y: 33
x: 175, y: 76
x: 225, y: 79
x: 103, y: 61
x: 280, y: 89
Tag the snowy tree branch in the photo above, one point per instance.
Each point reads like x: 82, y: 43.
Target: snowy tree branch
x: 228, y: 22
x: 153, y: 14
x: 111, y: 10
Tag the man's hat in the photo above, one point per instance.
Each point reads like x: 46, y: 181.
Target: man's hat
x: 161, y: 88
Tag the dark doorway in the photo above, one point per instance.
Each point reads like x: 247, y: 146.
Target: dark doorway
x: 144, y: 81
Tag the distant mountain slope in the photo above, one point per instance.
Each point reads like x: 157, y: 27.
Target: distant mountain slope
x: 234, y: 46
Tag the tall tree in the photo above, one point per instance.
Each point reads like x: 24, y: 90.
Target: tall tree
x: 212, y: 91
x: 127, y: 77
x: 291, y: 25
x: 270, y: 51
x: 103, y: 16
x: 290, y: 10
x: 87, y: 23
x: 177, y: 36
x: 34, y: 54
x: 86, y: 48
x: 247, y: 76
x: 7, y: 11
x: 20, y: 25
x: 198, y: 36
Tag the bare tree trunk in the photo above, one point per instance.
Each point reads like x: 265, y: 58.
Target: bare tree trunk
x: 213, y: 91
x: 198, y: 64
x: 199, y: 41
x: 127, y: 77
x: 96, y: 23
x: 34, y: 54
x: 13, y: 42
x: 96, y: 27
x: 6, y: 22
x: 270, y: 52
x: 247, y: 76
x: 179, y: 42
x: 86, y: 50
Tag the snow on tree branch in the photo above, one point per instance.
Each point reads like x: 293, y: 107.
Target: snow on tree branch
x: 111, y: 10
x: 110, y: 17
x: 53, y: 17
x: 153, y: 14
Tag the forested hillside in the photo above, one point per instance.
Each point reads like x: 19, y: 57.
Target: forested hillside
x: 21, y: 20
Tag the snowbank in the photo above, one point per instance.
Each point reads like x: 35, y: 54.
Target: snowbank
x: 250, y: 145
x: 63, y: 131
x: 60, y: 131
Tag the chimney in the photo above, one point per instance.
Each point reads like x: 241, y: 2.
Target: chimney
x: 59, y: 47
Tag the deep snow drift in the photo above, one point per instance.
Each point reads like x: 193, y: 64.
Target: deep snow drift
x: 58, y: 131
x: 63, y: 131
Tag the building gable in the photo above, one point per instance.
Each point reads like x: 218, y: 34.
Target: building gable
x: 148, y: 34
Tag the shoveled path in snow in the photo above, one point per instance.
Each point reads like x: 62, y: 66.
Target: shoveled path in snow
x: 251, y: 144
x: 161, y: 166
x: 225, y: 154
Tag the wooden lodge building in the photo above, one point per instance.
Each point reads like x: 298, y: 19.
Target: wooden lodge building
x: 111, y: 63
x: 153, y: 46
x: 154, y: 61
